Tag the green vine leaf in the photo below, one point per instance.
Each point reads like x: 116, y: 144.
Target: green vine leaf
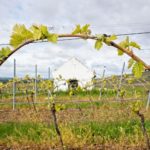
x: 85, y: 29
x: 77, y: 29
x: 111, y: 38
x: 20, y: 35
x: 52, y: 38
x: 136, y: 106
x: 100, y: 37
x: 123, y: 44
x: 98, y: 44
x: 37, y: 34
x: 1, y: 85
x: 60, y: 107
x: 126, y: 45
x: 135, y: 45
x: 138, y: 69
x: 82, y: 30
x: 120, y: 53
x: 44, y: 31
x: 4, y: 52
x: 130, y: 63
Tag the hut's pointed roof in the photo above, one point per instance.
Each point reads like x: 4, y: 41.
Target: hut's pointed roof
x: 73, y: 69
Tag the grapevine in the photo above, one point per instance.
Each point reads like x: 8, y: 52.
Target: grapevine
x: 22, y: 36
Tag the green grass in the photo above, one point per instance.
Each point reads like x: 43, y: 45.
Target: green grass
x: 37, y: 131
x: 83, y: 105
x: 26, y: 130
x: 106, y: 92
x: 109, y: 130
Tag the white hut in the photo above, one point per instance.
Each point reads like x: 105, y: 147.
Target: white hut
x: 74, y: 72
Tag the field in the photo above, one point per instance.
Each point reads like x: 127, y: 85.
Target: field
x: 106, y: 124
x: 85, y: 120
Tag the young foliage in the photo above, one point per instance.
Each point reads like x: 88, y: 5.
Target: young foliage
x: 82, y: 30
x: 44, y: 31
x: 52, y: 38
x: 136, y: 106
x: 36, y: 32
x: 123, y: 44
x: 77, y: 29
x: 134, y: 44
x: 126, y: 44
x: 85, y: 29
x: 1, y: 85
x: 102, y: 38
x: 137, y: 69
x: 130, y: 63
x: 39, y: 32
x: 59, y: 107
x: 120, y: 53
x: 110, y: 38
x: 99, y: 41
x: 20, y: 35
x: 98, y: 44
x: 4, y: 52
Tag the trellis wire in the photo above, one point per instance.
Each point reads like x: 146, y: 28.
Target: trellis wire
x: 17, y: 93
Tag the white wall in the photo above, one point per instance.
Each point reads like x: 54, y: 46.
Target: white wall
x: 73, y: 69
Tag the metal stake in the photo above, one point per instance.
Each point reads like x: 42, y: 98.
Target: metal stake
x: 35, y: 85
x: 100, y: 95
x: 14, y: 84
x: 120, y: 82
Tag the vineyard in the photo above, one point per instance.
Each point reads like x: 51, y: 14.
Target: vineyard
x: 107, y: 113
x: 87, y: 119
x: 26, y: 91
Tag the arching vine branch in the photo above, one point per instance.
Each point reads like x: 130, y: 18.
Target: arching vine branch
x: 22, y: 36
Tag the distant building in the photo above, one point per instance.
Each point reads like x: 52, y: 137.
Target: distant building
x: 72, y: 74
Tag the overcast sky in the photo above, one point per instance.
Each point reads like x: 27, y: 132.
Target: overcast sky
x: 104, y: 16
